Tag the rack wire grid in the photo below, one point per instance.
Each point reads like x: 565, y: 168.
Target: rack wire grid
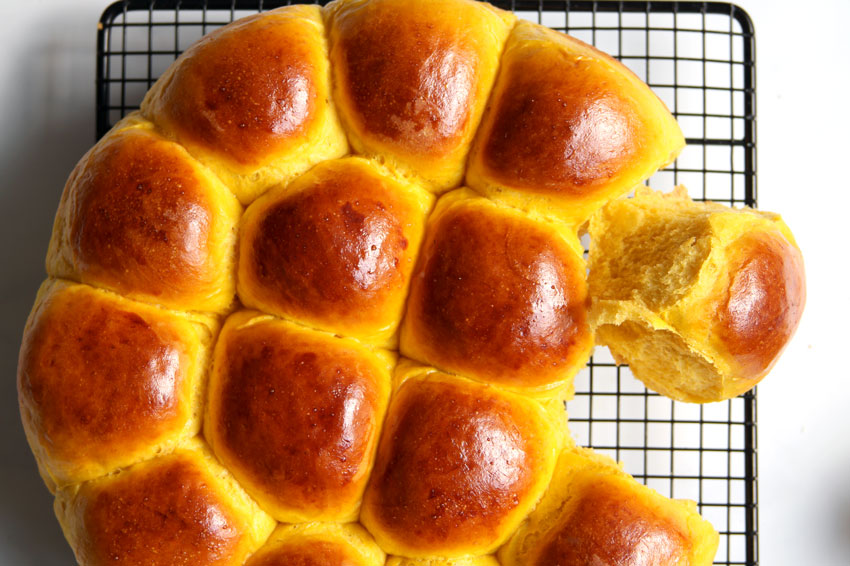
x: 699, y: 57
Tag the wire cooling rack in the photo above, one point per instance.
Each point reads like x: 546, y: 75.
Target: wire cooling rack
x: 699, y: 57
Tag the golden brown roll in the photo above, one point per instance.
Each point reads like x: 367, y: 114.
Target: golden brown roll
x: 595, y: 513
x: 252, y: 100
x: 183, y: 509
x: 319, y: 544
x: 335, y: 249
x: 568, y: 127
x: 296, y: 414
x: 698, y: 298
x: 412, y: 77
x: 104, y: 382
x: 459, y: 466
x: 498, y: 296
x: 141, y: 217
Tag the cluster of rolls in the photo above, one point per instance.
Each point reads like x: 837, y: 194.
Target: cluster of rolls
x: 276, y: 331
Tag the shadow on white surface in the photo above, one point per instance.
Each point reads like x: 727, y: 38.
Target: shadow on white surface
x: 47, y: 124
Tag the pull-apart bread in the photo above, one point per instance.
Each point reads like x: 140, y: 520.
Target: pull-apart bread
x: 322, y: 299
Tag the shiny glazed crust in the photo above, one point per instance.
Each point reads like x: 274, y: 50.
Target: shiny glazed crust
x: 295, y: 414
x: 528, y: 331
x: 335, y: 249
x: 347, y: 255
x: 458, y: 467
x: 416, y: 113
x: 104, y: 382
x: 594, y: 512
x: 140, y: 217
x: 252, y: 100
x: 180, y: 510
x: 568, y: 126
x: 319, y: 544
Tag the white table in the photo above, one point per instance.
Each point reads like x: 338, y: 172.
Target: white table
x: 47, y: 70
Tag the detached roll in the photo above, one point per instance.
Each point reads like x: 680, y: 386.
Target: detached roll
x: 594, y: 513
x: 698, y: 298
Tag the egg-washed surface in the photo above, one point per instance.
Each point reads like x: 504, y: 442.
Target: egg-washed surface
x: 498, y: 297
x: 458, y: 467
x: 595, y: 513
x: 485, y: 447
x: 252, y: 100
x: 319, y: 544
x: 141, y: 217
x: 335, y: 249
x: 179, y: 510
x: 105, y: 382
x: 296, y: 414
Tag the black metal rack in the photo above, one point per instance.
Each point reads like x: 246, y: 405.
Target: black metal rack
x: 699, y: 57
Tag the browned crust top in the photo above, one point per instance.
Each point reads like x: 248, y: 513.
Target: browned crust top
x: 610, y: 525
x: 298, y: 415
x: 455, y: 461
x: 165, y: 513
x: 141, y: 218
x: 499, y: 297
x: 100, y: 378
x: 764, y: 301
x: 249, y: 90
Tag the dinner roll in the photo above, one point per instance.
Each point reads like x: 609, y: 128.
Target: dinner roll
x: 295, y: 414
x: 104, y: 382
x: 595, y: 513
x: 699, y: 299
x: 335, y: 249
x: 141, y: 217
x: 412, y: 77
x: 498, y: 296
x: 568, y: 127
x: 319, y: 544
x: 183, y: 509
x: 459, y: 466
x: 252, y: 100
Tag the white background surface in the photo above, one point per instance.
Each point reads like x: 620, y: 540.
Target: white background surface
x: 47, y: 70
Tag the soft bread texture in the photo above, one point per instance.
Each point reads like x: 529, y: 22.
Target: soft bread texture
x: 296, y: 414
x: 141, y: 217
x: 498, y: 296
x: 568, y: 127
x: 183, y: 509
x: 459, y: 466
x: 310, y: 415
x: 104, y: 382
x: 699, y: 299
x: 252, y: 100
x: 595, y: 513
x: 319, y: 544
x: 412, y: 77
x: 335, y: 249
